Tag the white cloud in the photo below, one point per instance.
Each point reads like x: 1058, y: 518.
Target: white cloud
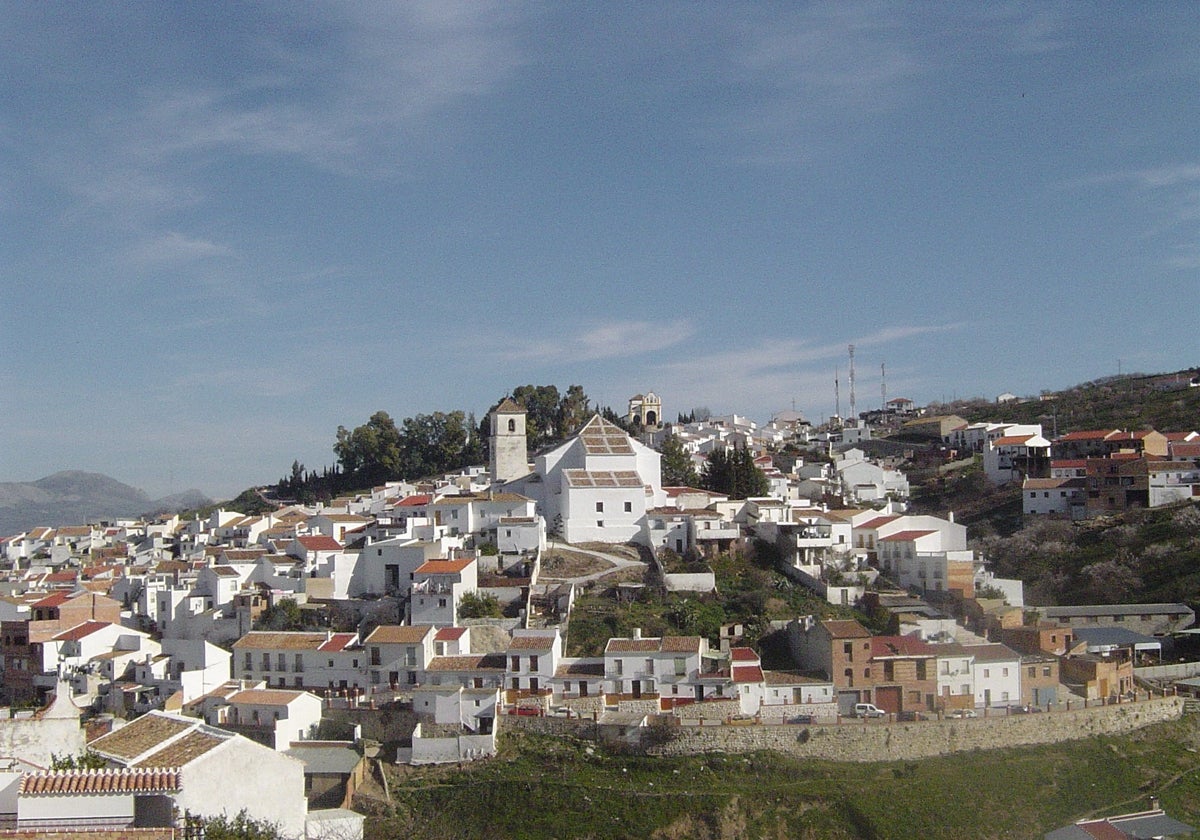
x: 174, y: 248
x: 605, y: 341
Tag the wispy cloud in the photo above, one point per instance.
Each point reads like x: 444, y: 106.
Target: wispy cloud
x: 1171, y: 197
x: 605, y: 341
x: 174, y: 248
x: 780, y: 369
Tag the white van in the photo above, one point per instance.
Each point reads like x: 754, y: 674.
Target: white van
x: 868, y: 710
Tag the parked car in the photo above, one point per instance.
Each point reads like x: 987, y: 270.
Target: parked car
x: 1023, y: 709
x: 911, y: 715
x: 804, y: 719
x: 868, y: 710
x: 962, y: 713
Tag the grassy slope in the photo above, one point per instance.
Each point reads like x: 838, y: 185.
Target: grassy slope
x: 552, y: 788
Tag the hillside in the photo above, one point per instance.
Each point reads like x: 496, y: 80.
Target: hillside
x: 1134, y: 401
x: 553, y: 788
x: 74, y: 497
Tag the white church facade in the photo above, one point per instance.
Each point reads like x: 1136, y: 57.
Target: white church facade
x: 594, y: 487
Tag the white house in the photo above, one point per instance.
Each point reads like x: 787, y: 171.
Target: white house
x: 217, y: 772
x: 437, y: 588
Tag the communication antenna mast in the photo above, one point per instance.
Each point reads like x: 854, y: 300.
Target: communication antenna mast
x: 853, y: 412
x: 837, y: 395
x: 883, y: 386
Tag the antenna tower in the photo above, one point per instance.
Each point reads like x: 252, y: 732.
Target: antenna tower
x: 837, y: 395
x: 853, y: 413
x: 883, y: 386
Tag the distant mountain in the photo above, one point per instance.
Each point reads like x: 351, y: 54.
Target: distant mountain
x: 74, y: 498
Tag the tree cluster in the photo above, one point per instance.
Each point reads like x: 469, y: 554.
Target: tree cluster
x: 734, y: 474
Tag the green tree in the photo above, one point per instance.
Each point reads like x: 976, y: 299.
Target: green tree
x: 541, y: 404
x: 479, y: 605
x: 240, y: 827
x: 371, y: 453
x: 283, y: 615
x: 677, y: 467
x: 86, y: 760
x: 734, y: 474
x: 573, y: 411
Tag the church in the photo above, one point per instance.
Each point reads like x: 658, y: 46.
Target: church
x: 594, y: 487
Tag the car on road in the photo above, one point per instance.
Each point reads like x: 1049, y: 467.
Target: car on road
x: 868, y: 710
x: 1023, y: 709
x: 911, y: 715
x: 961, y: 713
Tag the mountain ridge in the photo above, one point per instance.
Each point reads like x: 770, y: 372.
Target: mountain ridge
x: 74, y: 497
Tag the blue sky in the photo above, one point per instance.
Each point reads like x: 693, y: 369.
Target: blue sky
x: 225, y: 229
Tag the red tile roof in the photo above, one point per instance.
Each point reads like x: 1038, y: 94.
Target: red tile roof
x: 449, y: 634
x: 319, y: 542
x: 847, y: 629
x: 883, y: 646
x: 54, y: 599
x: 878, y: 522
x: 1093, y: 434
x: 109, y: 780
x: 906, y: 536
x: 743, y: 654
x: 443, y: 567
x: 747, y: 674
x: 80, y: 631
x: 415, y: 501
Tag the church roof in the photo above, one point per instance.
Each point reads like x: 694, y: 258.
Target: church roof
x: 603, y: 478
x: 601, y: 437
x: 507, y: 406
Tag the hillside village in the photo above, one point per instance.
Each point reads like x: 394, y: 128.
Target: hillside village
x: 177, y: 651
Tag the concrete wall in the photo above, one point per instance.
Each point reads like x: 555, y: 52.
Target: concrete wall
x: 908, y: 741
x: 452, y: 749
x: 217, y: 783
x: 35, y: 739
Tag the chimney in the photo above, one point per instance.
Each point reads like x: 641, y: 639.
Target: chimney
x: 637, y: 632
x: 951, y: 515
x: 1153, y: 803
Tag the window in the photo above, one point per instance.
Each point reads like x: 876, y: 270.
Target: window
x: 599, y: 507
x: 629, y: 507
x: 1046, y: 671
x: 248, y: 666
x: 533, y: 663
x: 266, y: 662
x: 375, y: 657
x: 281, y: 661
x: 442, y: 603
x: 680, y: 666
x: 1032, y: 671
x: 987, y: 672
x: 599, y: 523
x: 620, y: 667
x: 515, y: 664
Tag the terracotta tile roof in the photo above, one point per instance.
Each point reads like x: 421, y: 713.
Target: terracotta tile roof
x: 319, y: 542
x: 878, y: 522
x: 266, y: 696
x: 603, y: 478
x: 486, y: 662
x: 110, y: 780
x: 1092, y: 434
x: 224, y: 571
x: 632, y: 645
x: 337, y: 642
x: 747, y: 674
x: 394, y: 634
x: 81, y: 631
x: 282, y: 640
x: 531, y: 643
x: 743, y: 654
x: 450, y: 634
x: 183, y: 750
x: 415, y: 501
x: 443, y: 567
x: 681, y: 645
x: 885, y: 646
x: 580, y: 669
x: 906, y: 536
x: 54, y: 599
x: 848, y: 629
x: 1068, y: 463
x: 145, y: 733
x: 1013, y: 440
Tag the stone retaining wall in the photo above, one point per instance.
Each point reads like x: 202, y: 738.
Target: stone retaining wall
x: 873, y: 741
